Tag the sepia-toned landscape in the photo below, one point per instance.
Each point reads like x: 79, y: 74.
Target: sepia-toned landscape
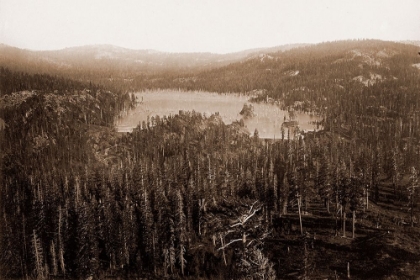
x: 299, y: 161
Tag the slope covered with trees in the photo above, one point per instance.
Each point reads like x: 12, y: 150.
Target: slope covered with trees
x: 116, y: 67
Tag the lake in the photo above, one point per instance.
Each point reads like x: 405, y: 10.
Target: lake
x: 268, y: 117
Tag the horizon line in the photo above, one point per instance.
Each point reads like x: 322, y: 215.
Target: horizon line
x: 208, y: 52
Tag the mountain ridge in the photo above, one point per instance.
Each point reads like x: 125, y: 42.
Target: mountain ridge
x: 98, y: 62
x: 117, y: 47
x: 365, y: 61
x: 254, y: 69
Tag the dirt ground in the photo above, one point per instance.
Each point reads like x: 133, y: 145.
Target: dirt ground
x: 385, y: 245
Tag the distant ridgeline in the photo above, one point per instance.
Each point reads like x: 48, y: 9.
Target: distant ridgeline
x: 308, y: 77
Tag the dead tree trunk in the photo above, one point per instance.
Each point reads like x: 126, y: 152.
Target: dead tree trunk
x: 300, y: 214
x: 412, y: 212
x: 223, y: 250
x: 344, y: 222
x: 367, y: 198
x: 285, y: 202
x: 336, y: 214
x: 327, y: 202
x: 348, y: 270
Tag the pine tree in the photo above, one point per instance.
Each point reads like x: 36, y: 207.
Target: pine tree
x: 180, y: 230
x: 87, y: 263
x: 412, y: 193
x: 146, y: 229
x: 38, y: 254
x: 324, y: 181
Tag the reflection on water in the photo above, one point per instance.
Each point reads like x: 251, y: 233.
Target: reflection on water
x: 268, y: 118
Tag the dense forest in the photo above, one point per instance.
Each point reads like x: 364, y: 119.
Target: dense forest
x: 187, y: 196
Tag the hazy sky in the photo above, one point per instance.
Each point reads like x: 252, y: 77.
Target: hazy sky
x: 200, y: 25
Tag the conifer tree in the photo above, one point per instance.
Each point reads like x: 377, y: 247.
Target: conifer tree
x: 38, y: 255
x: 412, y: 193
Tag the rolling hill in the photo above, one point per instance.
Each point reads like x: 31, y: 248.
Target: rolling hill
x: 364, y: 61
x: 106, y: 62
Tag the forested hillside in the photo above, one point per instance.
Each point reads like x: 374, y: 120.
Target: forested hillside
x: 116, y: 67
x: 281, y: 72
x: 45, y: 132
x: 187, y: 196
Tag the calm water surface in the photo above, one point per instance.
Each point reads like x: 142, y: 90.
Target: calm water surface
x: 268, y: 117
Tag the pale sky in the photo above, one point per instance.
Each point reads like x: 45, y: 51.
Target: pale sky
x: 202, y: 26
